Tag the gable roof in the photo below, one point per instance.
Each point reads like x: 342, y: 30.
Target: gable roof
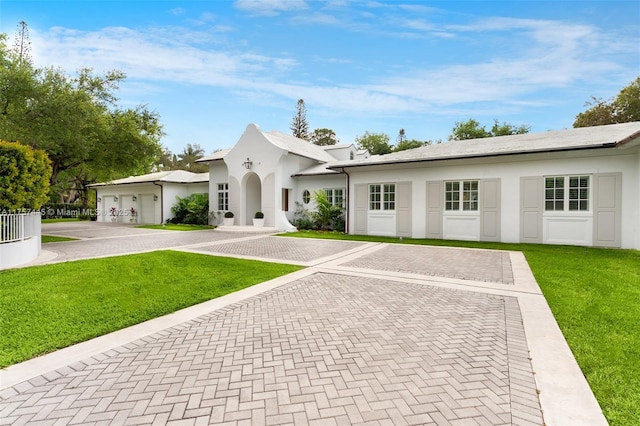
x: 218, y: 155
x: 609, y: 136
x: 286, y: 142
x: 298, y: 146
x: 172, y: 176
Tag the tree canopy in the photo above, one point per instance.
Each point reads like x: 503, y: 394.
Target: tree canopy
x: 76, y: 120
x: 24, y: 181
x: 299, y: 125
x: 624, y: 108
x: 324, y: 137
x: 375, y: 143
x: 472, y: 129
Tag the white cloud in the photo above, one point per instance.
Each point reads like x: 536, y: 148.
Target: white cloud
x: 540, y: 55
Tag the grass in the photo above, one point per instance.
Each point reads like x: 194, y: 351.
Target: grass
x: 177, y: 227
x: 44, y: 308
x: 53, y: 239
x: 594, y: 294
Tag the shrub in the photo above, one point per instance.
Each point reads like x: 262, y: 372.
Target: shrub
x: 327, y: 217
x: 191, y: 210
x: 228, y: 215
x: 259, y: 215
x: 302, y: 217
x: 24, y: 181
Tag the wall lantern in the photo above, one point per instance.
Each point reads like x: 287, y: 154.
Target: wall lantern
x: 115, y: 198
x: 247, y: 164
x: 155, y: 197
x: 99, y: 200
x: 134, y: 198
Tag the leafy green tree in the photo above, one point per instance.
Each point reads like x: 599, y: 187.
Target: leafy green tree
x: 472, y: 129
x: 24, y: 176
x: 323, y: 137
x: 299, y: 124
x: 506, y: 129
x: 624, y: 108
x: 409, y: 144
x: 75, y: 120
x: 375, y: 143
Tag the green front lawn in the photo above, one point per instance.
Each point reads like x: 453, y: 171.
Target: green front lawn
x: 177, y: 227
x: 44, y: 308
x: 53, y: 239
x: 594, y: 294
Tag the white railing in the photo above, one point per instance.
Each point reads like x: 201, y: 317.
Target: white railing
x: 19, y: 238
x: 20, y: 226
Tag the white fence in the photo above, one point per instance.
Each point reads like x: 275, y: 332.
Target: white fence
x: 19, y: 238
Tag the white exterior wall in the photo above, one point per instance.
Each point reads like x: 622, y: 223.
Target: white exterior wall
x: 291, y: 165
x: 165, y: 198
x: 171, y: 192
x: 265, y: 159
x: 316, y: 183
x: 565, y: 228
x: 125, y: 194
x: 218, y: 173
x: 343, y: 153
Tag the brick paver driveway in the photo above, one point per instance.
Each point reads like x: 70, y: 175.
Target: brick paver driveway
x: 364, y: 335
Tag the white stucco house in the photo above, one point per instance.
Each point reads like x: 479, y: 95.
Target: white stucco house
x: 146, y: 198
x: 577, y: 186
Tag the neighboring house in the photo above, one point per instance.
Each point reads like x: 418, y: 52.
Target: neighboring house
x: 147, y: 198
x: 578, y: 186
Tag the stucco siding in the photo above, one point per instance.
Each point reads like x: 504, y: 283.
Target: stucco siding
x: 558, y: 227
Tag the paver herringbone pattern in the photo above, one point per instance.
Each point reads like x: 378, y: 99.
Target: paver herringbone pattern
x: 290, y: 249
x: 327, y: 349
x: 82, y: 249
x: 477, y: 265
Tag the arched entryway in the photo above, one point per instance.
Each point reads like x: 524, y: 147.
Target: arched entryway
x: 253, y: 202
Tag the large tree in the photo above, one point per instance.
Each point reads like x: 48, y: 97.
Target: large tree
x: 187, y: 159
x: 76, y: 121
x: 624, y: 108
x: 299, y: 125
x: 472, y: 129
x: 323, y: 137
x: 375, y: 143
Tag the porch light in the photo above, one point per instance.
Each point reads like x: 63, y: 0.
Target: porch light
x: 155, y: 197
x: 99, y: 199
x: 134, y: 198
x: 247, y: 164
x: 115, y: 198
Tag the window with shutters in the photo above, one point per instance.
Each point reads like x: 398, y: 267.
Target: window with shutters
x: 566, y: 193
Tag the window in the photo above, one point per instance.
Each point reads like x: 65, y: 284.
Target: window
x: 554, y: 193
x: 351, y: 155
x: 382, y: 196
x: 285, y: 199
x: 564, y: 193
x: 223, y: 196
x: 306, y: 196
x: 459, y: 194
x: 335, y: 196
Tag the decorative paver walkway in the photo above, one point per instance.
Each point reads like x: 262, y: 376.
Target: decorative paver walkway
x: 364, y: 335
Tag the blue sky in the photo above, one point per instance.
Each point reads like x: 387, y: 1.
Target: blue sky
x: 209, y: 68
